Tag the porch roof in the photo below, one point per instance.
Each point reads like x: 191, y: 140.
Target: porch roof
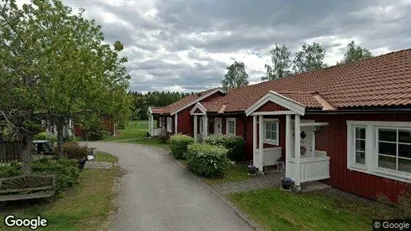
x: 183, y: 103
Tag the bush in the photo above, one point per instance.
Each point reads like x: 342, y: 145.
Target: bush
x: 43, y: 136
x: 65, y: 170
x: 121, y: 125
x: 11, y: 169
x: 207, y: 160
x: 94, y: 135
x: 73, y: 150
x: 178, y: 145
x: 401, y: 208
x: 234, y: 144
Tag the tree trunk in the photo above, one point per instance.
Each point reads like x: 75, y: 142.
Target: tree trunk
x: 60, y: 138
x: 26, y: 153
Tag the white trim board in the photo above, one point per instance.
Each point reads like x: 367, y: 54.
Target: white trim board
x: 197, y: 100
x: 279, y: 99
x: 200, y: 107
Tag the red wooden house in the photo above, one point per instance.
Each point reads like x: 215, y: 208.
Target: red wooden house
x: 353, y: 123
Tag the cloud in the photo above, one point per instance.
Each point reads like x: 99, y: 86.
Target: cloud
x: 186, y: 45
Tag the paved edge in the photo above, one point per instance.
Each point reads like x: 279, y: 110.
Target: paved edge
x: 220, y: 196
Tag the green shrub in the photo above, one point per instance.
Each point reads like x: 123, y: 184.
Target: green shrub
x: 66, y: 171
x: 94, y: 135
x: 11, y: 169
x: 121, y: 125
x: 178, y: 145
x: 207, y: 160
x: 73, y: 150
x: 234, y: 144
x: 43, y: 136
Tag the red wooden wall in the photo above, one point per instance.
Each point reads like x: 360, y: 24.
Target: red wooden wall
x: 107, y: 122
x: 333, y: 139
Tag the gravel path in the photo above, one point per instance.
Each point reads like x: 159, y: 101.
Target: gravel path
x: 156, y: 194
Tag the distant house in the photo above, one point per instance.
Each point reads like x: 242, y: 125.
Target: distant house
x: 353, y: 123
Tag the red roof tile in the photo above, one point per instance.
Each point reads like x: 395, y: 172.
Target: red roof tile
x: 181, y: 103
x: 380, y: 81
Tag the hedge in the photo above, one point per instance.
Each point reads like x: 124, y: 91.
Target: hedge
x: 207, y: 160
x: 234, y: 144
x: 178, y: 145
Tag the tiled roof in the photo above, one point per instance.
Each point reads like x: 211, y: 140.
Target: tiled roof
x: 181, y: 103
x: 376, y: 82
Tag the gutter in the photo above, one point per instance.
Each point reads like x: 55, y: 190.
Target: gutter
x: 360, y: 110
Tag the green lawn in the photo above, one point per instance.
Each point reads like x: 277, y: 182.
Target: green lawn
x: 106, y: 157
x: 278, y: 210
x: 84, y: 207
x: 236, y: 173
x: 133, y: 130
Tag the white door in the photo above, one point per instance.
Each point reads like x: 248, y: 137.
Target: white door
x: 218, y: 126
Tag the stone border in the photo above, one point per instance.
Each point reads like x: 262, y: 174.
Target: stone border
x: 220, y: 196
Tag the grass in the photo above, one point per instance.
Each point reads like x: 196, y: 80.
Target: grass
x: 236, y: 173
x: 278, y: 210
x: 86, y: 206
x: 106, y: 157
x: 133, y: 130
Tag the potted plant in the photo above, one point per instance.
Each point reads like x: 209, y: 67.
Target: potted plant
x: 286, y: 182
x: 252, y: 169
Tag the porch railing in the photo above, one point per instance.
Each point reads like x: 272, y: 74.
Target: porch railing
x: 311, y: 169
x: 156, y: 132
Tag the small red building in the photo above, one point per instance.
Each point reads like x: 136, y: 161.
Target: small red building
x: 353, y: 123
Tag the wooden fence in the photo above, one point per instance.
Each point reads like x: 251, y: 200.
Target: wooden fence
x: 10, y: 151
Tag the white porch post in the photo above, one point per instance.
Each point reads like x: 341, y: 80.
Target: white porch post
x: 288, y: 143
x: 297, y: 153
x: 260, y: 144
x: 205, y: 127
x: 255, y: 155
x: 195, y: 128
x: 175, y: 123
x: 150, y: 124
x: 313, y: 143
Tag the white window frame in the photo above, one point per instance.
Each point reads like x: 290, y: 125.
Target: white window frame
x: 271, y: 141
x: 227, y: 127
x: 371, y: 148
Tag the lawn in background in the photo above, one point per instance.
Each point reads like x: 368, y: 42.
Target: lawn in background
x: 86, y: 206
x: 278, y: 210
x: 135, y: 132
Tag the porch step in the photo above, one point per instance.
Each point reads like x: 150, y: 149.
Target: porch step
x: 314, y: 186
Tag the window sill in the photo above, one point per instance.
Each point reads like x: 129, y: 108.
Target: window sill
x: 272, y: 142
x: 393, y: 175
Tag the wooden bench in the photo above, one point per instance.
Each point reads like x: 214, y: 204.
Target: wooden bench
x: 27, y: 187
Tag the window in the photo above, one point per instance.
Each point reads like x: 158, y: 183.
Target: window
x: 271, y: 132
x: 359, y: 145
x: 394, y: 149
x: 230, y: 128
x: 380, y: 148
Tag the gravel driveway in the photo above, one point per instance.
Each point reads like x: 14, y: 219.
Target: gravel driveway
x: 156, y: 194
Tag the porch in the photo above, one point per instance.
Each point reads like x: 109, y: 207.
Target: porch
x: 303, y: 162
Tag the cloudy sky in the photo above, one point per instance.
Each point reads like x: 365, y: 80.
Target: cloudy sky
x: 186, y: 45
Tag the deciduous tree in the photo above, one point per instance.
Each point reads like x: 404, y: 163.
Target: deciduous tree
x: 355, y: 53
x: 281, y: 63
x: 236, y: 76
x: 57, y: 68
x: 309, y: 58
